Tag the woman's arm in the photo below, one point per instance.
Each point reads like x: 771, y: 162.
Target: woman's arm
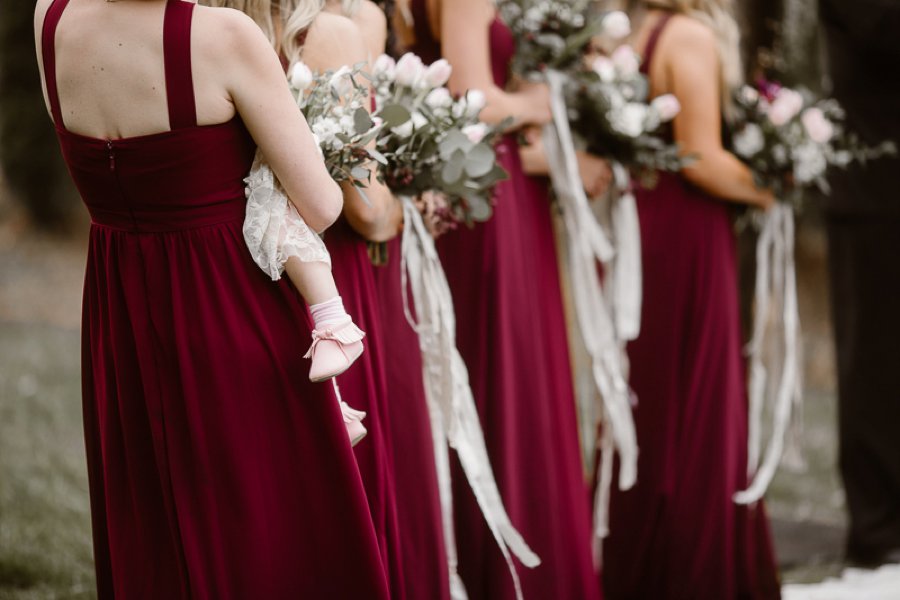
x: 690, y: 57
x: 465, y: 43
x: 256, y: 84
x: 334, y: 41
x: 595, y: 172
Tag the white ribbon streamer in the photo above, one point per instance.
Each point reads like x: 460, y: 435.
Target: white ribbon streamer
x: 451, y: 405
x: 587, y: 244
x: 776, y: 287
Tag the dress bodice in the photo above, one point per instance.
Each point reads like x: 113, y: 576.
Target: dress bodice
x: 190, y: 176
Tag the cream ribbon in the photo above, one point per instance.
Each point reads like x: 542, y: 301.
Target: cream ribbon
x: 451, y: 405
x: 776, y: 290
x: 587, y: 247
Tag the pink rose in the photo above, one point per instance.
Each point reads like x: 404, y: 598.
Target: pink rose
x: 817, y: 125
x: 786, y: 105
x: 626, y: 61
x: 667, y: 106
x: 475, y: 132
x: 438, y: 73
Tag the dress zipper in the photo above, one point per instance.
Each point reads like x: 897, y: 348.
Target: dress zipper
x: 112, y: 155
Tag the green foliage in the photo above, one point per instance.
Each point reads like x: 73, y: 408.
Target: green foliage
x: 29, y: 152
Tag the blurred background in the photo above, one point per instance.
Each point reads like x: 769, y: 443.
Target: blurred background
x: 45, y: 544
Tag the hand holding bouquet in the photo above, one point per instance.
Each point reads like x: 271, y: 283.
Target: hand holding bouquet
x: 789, y: 139
x: 433, y: 144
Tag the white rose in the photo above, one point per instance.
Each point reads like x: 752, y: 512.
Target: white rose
x: 785, y: 106
x: 629, y: 120
x: 616, y: 25
x: 809, y: 163
x: 438, y: 73
x: 626, y: 61
x: 439, y: 98
x: 749, y: 141
x: 325, y: 130
x: 817, y: 125
x: 475, y: 102
x: 409, y: 70
x: 475, y: 132
x: 749, y: 95
x: 301, y: 76
x: 604, y: 68
x: 667, y: 106
x: 384, y: 66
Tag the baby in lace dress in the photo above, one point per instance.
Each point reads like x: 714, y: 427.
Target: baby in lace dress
x: 275, y: 232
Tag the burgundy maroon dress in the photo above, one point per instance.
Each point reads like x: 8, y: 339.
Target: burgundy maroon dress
x: 422, y: 553
x: 512, y: 334
x: 217, y: 470
x: 678, y: 533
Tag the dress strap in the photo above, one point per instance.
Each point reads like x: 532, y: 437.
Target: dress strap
x: 48, y: 54
x: 177, y: 57
x: 653, y: 40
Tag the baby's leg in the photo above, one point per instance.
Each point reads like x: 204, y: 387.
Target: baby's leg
x: 313, y: 280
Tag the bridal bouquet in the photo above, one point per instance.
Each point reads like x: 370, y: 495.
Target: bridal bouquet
x: 611, y: 117
x: 789, y: 139
x: 334, y: 104
x: 557, y: 34
x: 434, y: 148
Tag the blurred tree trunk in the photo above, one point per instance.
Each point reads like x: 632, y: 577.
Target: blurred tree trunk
x: 29, y: 152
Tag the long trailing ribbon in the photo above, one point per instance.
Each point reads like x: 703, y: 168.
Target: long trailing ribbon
x: 588, y: 245
x: 451, y: 405
x: 776, y: 288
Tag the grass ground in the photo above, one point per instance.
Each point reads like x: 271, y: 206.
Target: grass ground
x: 45, y: 548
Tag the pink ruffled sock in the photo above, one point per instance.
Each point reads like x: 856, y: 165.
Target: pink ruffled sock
x: 330, y: 312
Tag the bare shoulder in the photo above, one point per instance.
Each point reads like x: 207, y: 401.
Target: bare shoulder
x: 332, y: 42
x: 371, y: 14
x: 687, y: 32
x: 226, y: 34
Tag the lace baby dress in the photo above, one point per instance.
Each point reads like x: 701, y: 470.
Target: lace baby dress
x: 273, y: 229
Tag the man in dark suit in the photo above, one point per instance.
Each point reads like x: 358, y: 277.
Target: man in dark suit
x: 863, y: 45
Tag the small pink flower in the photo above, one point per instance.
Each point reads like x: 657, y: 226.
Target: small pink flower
x: 667, y: 106
x: 475, y: 132
x: 817, y: 125
x: 438, y: 73
x: 626, y: 61
x: 786, y: 105
x: 409, y: 70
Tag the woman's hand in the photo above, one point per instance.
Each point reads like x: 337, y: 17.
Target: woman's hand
x: 537, y: 99
x: 596, y: 174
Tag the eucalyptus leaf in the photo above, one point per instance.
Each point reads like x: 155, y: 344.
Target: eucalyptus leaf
x: 362, y: 121
x: 453, y: 168
x: 395, y: 115
x: 480, y: 160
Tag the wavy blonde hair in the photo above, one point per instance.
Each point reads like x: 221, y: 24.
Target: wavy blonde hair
x: 295, y: 15
x: 718, y: 15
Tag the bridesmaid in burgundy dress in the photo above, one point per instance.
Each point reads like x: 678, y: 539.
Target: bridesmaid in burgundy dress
x: 217, y: 470
x: 678, y: 532
x: 512, y: 334
x: 421, y: 549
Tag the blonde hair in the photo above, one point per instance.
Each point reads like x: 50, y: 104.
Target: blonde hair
x: 718, y: 15
x: 296, y: 16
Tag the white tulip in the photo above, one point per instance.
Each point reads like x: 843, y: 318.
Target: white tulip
x: 475, y: 102
x: 667, y: 106
x: 605, y: 68
x: 409, y: 70
x: 301, y: 76
x: 616, y: 25
x: 384, y: 66
x: 438, y: 73
x: 475, y: 132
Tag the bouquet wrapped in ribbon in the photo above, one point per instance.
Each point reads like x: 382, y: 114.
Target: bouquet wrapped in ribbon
x: 434, y: 148
x: 557, y: 34
x: 439, y: 159
x: 611, y: 116
x: 789, y: 139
